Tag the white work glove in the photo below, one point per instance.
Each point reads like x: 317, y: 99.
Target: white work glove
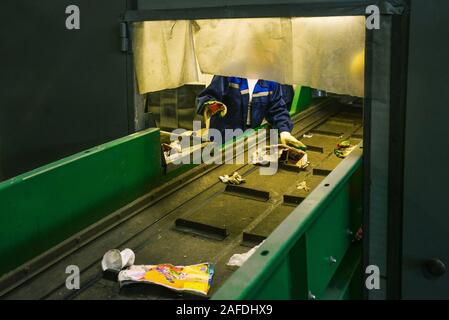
x: 289, y: 140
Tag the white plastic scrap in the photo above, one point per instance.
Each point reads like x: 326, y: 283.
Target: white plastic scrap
x: 239, y: 258
x: 303, y: 186
x: 303, y: 162
x: 261, y: 157
x: 117, y: 260
x: 236, y: 178
x: 174, y: 151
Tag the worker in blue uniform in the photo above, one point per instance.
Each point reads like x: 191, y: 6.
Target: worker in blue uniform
x: 239, y: 103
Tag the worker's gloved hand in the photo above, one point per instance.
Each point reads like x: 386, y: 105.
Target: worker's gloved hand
x: 289, y: 140
x: 213, y: 107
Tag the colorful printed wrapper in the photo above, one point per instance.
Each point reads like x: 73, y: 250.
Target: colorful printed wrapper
x: 195, y: 278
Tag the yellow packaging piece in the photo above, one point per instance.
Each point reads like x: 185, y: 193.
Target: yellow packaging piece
x: 196, y: 278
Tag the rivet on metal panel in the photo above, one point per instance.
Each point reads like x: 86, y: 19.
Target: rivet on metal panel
x: 436, y: 267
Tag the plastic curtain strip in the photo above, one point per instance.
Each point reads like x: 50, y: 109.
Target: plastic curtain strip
x: 323, y: 52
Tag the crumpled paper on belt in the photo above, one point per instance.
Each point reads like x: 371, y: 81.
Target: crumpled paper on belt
x: 344, y: 148
x: 116, y: 260
x: 239, y: 258
x: 280, y: 153
x: 236, y: 179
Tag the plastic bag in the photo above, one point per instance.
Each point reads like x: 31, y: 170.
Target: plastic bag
x: 195, y: 278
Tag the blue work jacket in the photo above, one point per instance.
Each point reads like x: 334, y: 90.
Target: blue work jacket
x: 268, y: 102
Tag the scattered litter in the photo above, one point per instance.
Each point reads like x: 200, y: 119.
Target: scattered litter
x: 195, y: 278
x: 172, y: 151
x: 307, y: 135
x: 343, y: 149
x: 236, y: 178
x: 239, y: 258
x: 303, y: 186
x: 116, y: 260
x: 261, y: 157
x: 280, y: 153
x: 293, y: 156
x: 174, y: 147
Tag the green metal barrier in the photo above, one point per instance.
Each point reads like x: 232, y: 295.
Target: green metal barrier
x: 301, y: 100
x: 43, y: 207
x: 311, y: 254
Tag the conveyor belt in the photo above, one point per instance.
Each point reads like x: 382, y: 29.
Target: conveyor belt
x: 199, y: 219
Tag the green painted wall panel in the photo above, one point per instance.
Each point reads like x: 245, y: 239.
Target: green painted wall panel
x: 41, y: 208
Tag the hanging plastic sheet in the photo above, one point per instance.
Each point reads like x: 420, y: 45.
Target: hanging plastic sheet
x: 321, y: 52
x: 250, y: 48
x: 163, y: 55
x: 328, y: 53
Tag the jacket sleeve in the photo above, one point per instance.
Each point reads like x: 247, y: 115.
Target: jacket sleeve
x: 277, y: 114
x: 287, y: 94
x: 214, y: 91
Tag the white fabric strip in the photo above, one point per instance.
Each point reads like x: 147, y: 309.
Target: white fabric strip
x: 262, y: 94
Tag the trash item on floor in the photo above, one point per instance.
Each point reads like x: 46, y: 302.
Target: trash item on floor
x: 344, y: 144
x: 343, y: 149
x: 174, y: 146
x: 195, y: 278
x: 172, y: 151
x: 303, y: 186
x: 307, y: 135
x: 239, y: 258
x: 236, y: 179
x: 293, y: 156
x: 261, y: 157
x: 116, y: 260
x: 280, y: 153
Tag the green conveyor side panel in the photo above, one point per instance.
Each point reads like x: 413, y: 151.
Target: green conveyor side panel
x: 311, y: 253
x: 301, y: 100
x: 41, y: 208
